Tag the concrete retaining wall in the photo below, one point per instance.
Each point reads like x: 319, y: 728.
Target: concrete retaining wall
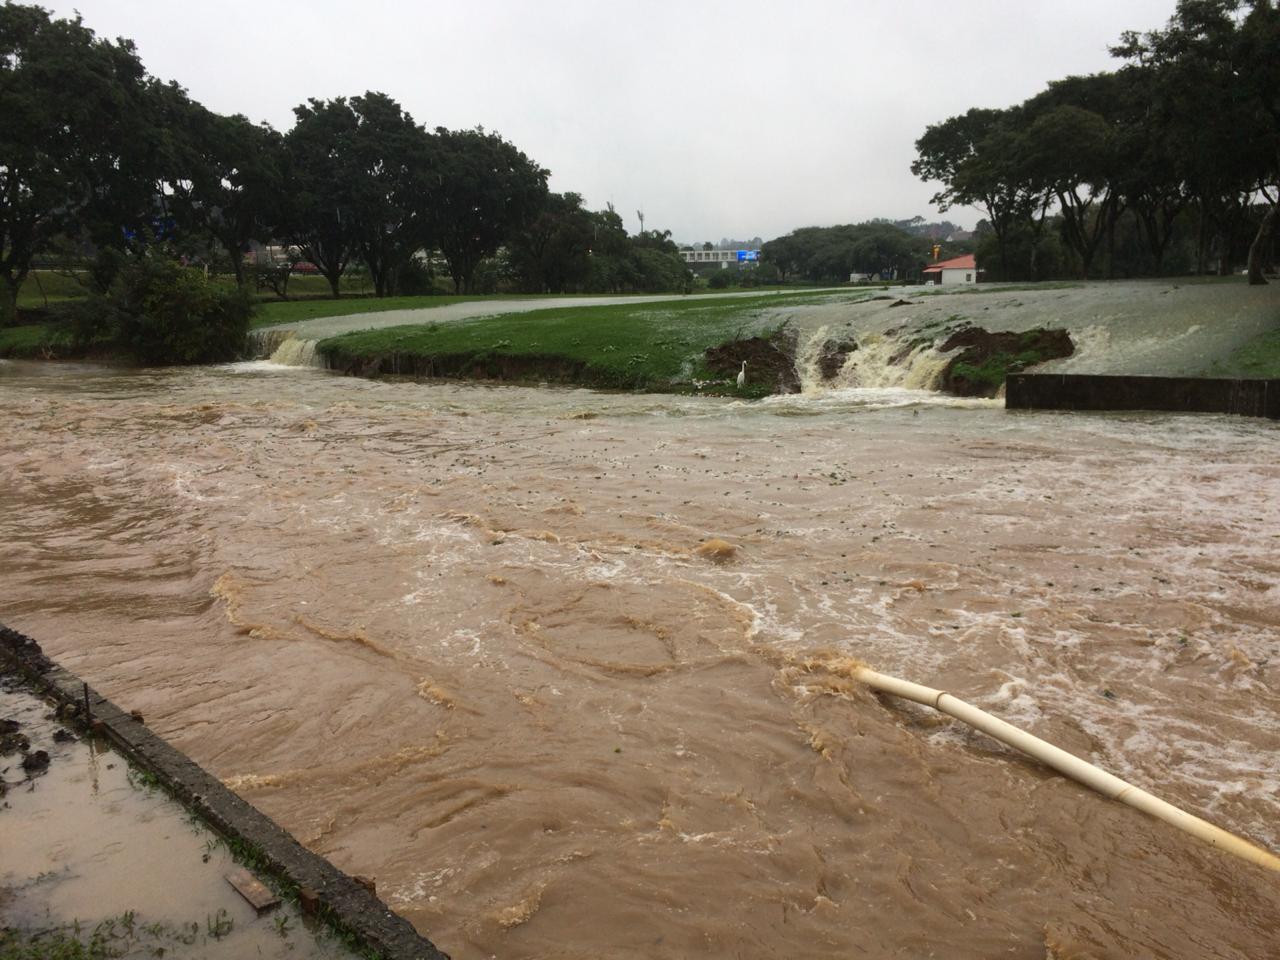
x: 1057, y: 391
x: 336, y: 896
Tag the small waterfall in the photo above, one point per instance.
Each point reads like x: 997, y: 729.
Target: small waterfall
x: 263, y: 343
x: 871, y: 360
x: 293, y: 351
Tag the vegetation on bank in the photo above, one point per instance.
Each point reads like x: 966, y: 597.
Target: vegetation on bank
x: 155, y: 312
x: 1259, y: 359
x: 657, y: 347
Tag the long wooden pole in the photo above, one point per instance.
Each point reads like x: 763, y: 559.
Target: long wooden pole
x: 1105, y: 783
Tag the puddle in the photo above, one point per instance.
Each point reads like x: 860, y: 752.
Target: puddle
x: 94, y: 853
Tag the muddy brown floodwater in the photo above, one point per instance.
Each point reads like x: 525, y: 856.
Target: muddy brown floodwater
x: 460, y: 639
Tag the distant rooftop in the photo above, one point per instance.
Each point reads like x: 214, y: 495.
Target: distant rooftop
x: 967, y: 262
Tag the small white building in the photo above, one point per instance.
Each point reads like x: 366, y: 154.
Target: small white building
x: 949, y: 272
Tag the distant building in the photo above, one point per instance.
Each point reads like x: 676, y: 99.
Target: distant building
x: 957, y: 270
x: 699, y: 258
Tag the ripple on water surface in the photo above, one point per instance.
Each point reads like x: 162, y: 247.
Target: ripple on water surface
x: 460, y: 638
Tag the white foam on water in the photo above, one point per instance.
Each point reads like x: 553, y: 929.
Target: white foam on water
x: 263, y: 366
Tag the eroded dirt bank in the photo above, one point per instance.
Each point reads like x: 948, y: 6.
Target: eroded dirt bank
x: 459, y: 639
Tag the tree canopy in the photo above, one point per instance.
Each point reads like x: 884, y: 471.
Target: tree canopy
x: 1183, y: 139
x: 73, y: 134
x: 98, y: 157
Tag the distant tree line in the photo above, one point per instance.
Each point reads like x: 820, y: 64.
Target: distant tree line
x: 1170, y: 163
x: 99, y: 158
x: 878, y: 248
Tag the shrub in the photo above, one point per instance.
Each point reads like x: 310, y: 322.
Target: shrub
x: 164, y: 313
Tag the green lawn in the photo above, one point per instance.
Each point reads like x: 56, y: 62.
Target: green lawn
x: 46, y: 287
x: 1259, y: 359
x: 32, y: 340
x: 651, y: 346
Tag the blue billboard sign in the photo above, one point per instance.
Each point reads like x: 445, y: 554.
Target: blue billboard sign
x: 745, y: 255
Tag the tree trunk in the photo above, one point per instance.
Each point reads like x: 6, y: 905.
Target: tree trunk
x: 9, y: 300
x: 334, y: 279
x: 237, y: 262
x: 1202, y: 242
x: 1004, y: 254
x: 1224, y: 254
x: 1258, y: 249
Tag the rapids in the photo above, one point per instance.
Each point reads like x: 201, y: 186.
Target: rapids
x: 460, y: 638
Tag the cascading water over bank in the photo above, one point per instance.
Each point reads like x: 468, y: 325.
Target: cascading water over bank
x: 286, y: 348
x: 873, y: 360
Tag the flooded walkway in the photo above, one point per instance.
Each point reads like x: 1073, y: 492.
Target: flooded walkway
x: 97, y: 856
x: 461, y: 639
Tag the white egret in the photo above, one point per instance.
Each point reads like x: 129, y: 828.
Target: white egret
x: 742, y: 375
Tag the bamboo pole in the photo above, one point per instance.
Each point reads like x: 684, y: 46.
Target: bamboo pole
x: 1066, y: 763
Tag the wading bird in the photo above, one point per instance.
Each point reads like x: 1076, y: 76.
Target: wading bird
x: 742, y: 375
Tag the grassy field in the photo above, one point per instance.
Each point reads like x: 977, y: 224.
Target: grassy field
x: 1259, y: 359
x: 32, y: 340
x: 654, y: 346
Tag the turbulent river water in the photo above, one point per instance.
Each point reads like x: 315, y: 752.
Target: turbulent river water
x: 462, y: 639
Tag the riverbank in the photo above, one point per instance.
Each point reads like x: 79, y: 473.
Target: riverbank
x: 964, y: 341
x: 682, y: 345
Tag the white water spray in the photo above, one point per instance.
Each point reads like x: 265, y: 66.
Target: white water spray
x: 293, y: 351
x: 881, y: 361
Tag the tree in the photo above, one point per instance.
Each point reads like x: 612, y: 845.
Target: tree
x: 72, y: 109
x: 979, y: 157
x: 1073, y: 155
x: 830, y: 254
x: 1216, y: 75
x: 553, y: 253
x: 393, y: 162
x: 484, y: 192
x: 227, y: 179
x: 319, y: 214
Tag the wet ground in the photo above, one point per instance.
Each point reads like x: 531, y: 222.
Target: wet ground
x: 472, y: 642
x: 93, y: 853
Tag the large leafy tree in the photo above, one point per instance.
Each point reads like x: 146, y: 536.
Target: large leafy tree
x: 320, y: 179
x: 225, y: 178
x: 1214, y: 74
x: 553, y: 253
x: 394, y: 159
x: 361, y: 177
x: 74, y: 145
x: 484, y: 192
x: 1073, y: 155
x: 979, y: 157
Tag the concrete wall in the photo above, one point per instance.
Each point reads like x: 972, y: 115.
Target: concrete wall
x: 1058, y: 391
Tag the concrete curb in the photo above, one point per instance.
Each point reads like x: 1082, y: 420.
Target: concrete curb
x: 1060, y: 391
x: 337, y: 897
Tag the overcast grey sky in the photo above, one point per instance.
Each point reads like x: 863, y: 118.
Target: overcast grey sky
x: 717, y: 119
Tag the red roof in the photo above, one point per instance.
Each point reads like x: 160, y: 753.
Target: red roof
x: 967, y: 262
